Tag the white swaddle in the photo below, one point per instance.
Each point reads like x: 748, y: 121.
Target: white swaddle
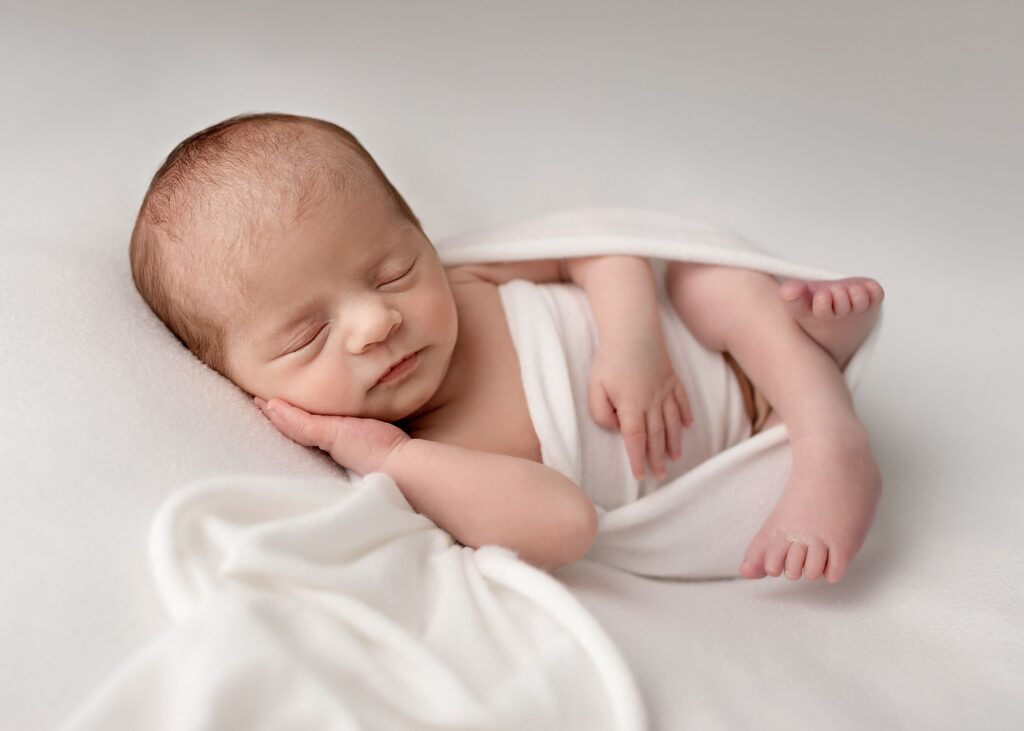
x: 596, y: 459
x: 697, y: 522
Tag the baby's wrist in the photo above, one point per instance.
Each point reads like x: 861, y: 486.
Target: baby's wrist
x: 396, y: 456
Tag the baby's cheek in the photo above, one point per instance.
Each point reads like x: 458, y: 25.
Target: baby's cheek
x: 323, y: 390
x: 436, y: 310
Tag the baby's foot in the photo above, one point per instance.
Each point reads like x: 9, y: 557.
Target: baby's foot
x: 822, y: 517
x: 837, y: 314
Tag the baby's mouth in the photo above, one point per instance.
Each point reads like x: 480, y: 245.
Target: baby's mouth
x: 400, y: 370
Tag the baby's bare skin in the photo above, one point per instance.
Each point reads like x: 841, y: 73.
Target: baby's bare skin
x: 822, y: 517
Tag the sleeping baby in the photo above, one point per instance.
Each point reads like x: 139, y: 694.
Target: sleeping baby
x: 277, y: 251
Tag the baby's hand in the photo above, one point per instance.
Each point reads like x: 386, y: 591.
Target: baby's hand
x: 360, y: 444
x: 634, y: 388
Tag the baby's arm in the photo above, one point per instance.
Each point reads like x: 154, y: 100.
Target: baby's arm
x: 481, y: 498
x: 633, y: 386
x: 622, y: 294
x: 620, y: 289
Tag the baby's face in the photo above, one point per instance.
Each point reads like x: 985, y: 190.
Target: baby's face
x: 343, y: 297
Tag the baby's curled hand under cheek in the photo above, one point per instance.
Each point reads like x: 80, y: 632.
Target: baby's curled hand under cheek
x: 634, y: 388
x: 359, y: 444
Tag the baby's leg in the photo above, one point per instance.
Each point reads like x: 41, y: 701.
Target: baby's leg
x: 822, y: 517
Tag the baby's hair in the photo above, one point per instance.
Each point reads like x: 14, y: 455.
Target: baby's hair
x: 204, y: 206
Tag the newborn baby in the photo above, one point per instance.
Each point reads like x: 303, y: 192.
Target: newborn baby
x: 278, y: 252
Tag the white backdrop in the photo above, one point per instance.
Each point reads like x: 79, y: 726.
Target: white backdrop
x: 880, y: 138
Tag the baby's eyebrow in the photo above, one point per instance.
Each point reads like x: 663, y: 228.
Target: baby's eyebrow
x: 376, y: 262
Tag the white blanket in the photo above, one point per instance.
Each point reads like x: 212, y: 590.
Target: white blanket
x: 330, y: 604
x: 312, y: 603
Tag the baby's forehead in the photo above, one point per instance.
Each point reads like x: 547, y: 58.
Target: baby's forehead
x: 259, y: 186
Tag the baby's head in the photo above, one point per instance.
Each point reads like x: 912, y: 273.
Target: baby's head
x: 276, y: 250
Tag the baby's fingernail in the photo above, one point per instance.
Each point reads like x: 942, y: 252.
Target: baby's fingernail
x: 259, y: 402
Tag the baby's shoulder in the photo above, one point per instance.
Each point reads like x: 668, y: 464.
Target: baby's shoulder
x: 465, y: 274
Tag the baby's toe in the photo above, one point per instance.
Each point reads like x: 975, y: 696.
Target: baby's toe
x: 836, y: 565
x: 814, y: 566
x: 795, y: 560
x: 751, y: 570
x: 876, y: 291
x: 797, y: 296
x: 840, y: 300
x: 792, y: 289
x: 753, y: 562
x: 775, y: 556
x: 860, y: 300
x: 821, y: 305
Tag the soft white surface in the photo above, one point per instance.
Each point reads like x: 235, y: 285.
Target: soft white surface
x: 880, y: 138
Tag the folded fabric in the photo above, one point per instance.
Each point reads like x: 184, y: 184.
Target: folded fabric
x: 330, y: 603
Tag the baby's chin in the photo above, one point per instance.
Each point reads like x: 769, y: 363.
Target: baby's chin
x: 403, y: 406
x: 395, y: 410
x: 401, y: 411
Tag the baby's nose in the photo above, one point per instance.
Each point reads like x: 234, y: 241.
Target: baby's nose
x: 376, y: 329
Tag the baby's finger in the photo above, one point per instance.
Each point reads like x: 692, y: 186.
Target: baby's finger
x: 634, y: 432
x: 684, y: 404
x: 300, y: 426
x: 673, y: 428
x: 656, y: 442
